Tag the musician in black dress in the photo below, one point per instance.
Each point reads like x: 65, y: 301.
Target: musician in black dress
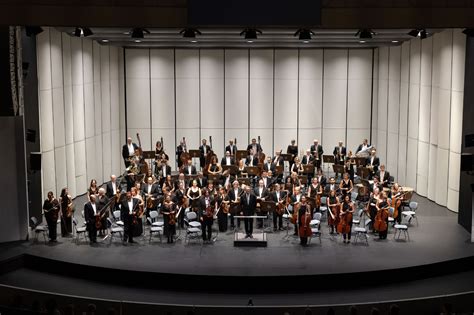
x: 193, y: 194
x: 339, y: 153
x: 90, y: 212
x: 222, y: 201
x: 315, y: 192
x: 304, y: 209
x: 346, y: 208
x: 293, y: 150
x: 346, y: 185
x: 181, y: 200
x: 169, y: 218
x: 279, y: 197
x: 66, y: 212
x: 249, y: 203
x: 128, y: 207
x: 372, y: 205
x: 206, y: 215
x: 382, y: 208
x: 51, y: 212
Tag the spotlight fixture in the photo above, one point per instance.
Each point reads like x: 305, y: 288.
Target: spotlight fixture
x: 82, y: 32
x: 190, y: 33
x: 250, y: 34
x: 33, y: 30
x: 365, y: 33
x: 139, y: 32
x: 469, y: 32
x: 304, y: 34
x: 105, y: 40
x: 421, y: 33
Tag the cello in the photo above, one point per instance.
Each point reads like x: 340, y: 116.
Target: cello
x: 304, y: 227
x: 345, y: 218
x: 381, y: 217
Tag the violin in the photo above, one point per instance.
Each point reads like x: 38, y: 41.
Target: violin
x: 281, y: 205
x: 172, y: 217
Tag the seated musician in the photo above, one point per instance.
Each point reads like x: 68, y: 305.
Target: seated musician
x: 277, y: 160
x: 193, y: 194
x: 128, y: 150
x: 332, y: 186
x: 90, y: 212
x: 234, y: 199
x: 279, y: 197
x: 317, y: 151
x: 214, y: 168
x: 321, y: 178
x: 181, y: 180
x: 241, y: 172
x: 272, y: 179
x: 315, y: 192
x: 222, y: 202
x: 384, y: 176
x: 204, y: 149
x: 231, y: 148
x: 168, y: 184
x: 296, y: 198
x: 252, y: 159
x: 150, y: 191
x: 254, y: 147
x: 269, y: 165
x: 339, y: 153
x: 293, y: 150
x: 261, y: 192
x: 363, y: 147
x: 373, y: 163
x: 206, y: 215
x: 189, y: 168
x: 162, y: 169
x: 201, y: 181
x: 228, y: 159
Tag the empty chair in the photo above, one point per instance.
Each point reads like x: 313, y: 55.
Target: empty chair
x: 324, y: 206
x: 354, y: 195
x: 315, y: 225
x: 316, y: 219
x: 391, y: 220
x: 39, y: 229
x: 116, y: 214
x: 362, y: 232
x: 403, y: 227
x: 154, y: 229
x: 193, y: 230
x: 81, y: 230
x: 154, y: 218
x: 413, y: 205
x: 356, y: 220
x: 115, y: 229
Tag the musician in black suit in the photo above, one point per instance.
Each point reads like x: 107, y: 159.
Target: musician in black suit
x: 261, y: 192
x: 150, y: 190
x: 269, y: 165
x: 252, y: 160
x: 332, y: 186
x: 189, y: 169
x: 180, y: 149
x: 279, y: 197
x: 203, y: 150
x: 206, y: 215
x: 339, y: 153
x: 317, y: 151
x: 51, y: 213
x: 162, y: 170
x: 201, y: 181
x: 232, y: 148
x: 128, y: 206
x: 228, y: 159
x: 249, y: 203
x: 112, y: 187
x: 384, y: 176
x: 267, y: 180
x: 254, y: 147
x: 227, y: 179
x: 102, y: 202
x: 307, y: 158
x: 277, y: 160
x: 373, y: 163
x: 234, y: 195
x: 296, y: 198
x: 321, y: 178
x: 293, y: 150
x: 363, y: 146
x: 90, y: 212
x: 128, y: 150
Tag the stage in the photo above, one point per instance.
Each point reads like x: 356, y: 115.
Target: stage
x: 436, y: 260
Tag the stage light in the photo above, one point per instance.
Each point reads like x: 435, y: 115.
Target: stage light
x: 365, y: 33
x: 139, y: 32
x: 82, y: 32
x: 33, y: 30
x: 421, y: 33
x: 469, y: 32
x: 304, y: 34
x: 190, y: 32
x: 105, y: 41
x: 250, y: 34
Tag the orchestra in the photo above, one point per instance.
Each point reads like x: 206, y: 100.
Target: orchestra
x: 237, y: 186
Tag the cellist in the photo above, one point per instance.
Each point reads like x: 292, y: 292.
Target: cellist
x: 381, y: 219
x: 279, y: 197
x: 304, y: 219
x: 169, y: 217
x: 345, y: 222
x: 397, y: 197
x: 333, y: 213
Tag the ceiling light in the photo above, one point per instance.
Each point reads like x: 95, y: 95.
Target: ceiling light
x: 304, y: 34
x: 250, y: 34
x: 139, y: 32
x: 105, y: 41
x: 365, y: 33
x: 394, y: 41
x: 137, y: 41
x: 194, y: 41
x: 306, y: 41
x: 82, y: 32
x: 190, y: 32
x: 33, y: 30
x: 362, y: 41
x: 469, y: 32
x: 421, y: 33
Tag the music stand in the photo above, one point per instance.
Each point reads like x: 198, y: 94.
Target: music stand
x: 279, y: 170
x: 363, y: 172
x: 241, y: 154
x: 328, y: 159
x: 338, y: 168
x: 234, y: 208
x: 303, y: 179
x: 244, y: 180
x: 252, y: 170
x: 233, y: 169
x: 148, y: 155
x: 195, y: 153
x: 360, y: 161
x: 267, y: 207
x: 308, y: 169
x: 214, y: 178
x: 287, y: 157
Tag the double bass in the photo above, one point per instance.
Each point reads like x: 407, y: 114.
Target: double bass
x: 143, y: 167
x: 208, y: 158
x: 304, y: 227
x: 185, y: 156
x: 381, y: 217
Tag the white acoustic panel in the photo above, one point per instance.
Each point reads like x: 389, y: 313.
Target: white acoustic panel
x: 105, y: 88
x: 453, y: 200
x: 355, y: 137
x: 392, y: 153
x: 261, y: 93
x: 92, y: 161
x: 415, y: 61
x: 360, y: 64
x: 335, y: 64
x: 459, y: 60
x: 212, y: 97
x: 266, y: 138
x: 330, y: 139
x: 311, y: 64
x: 138, y: 94
x: 434, y: 113
x: 305, y: 138
x: 422, y: 168
x: 114, y: 105
x: 137, y: 63
x: 46, y: 120
x: 66, y: 59
x: 310, y: 90
x: 89, y: 110
x: 48, y: 172
x: 77, y: 72
x: 382, y: 145
x: 237, y: 95
x: 116, y: 154
x: 162, y: 89
x: 382, y: 100
x: 99, y: 151
x: 402, y: 160
x: 162, y: 63
x: 445, y: 58
x: 286, y: 90
x: 375, y: 100
x: 426, y: 61
x: 56, y: 64
x: 187, y: 90
x: 113, y: 63
x: 413, y: 110
x: 58, y: 117
x: 60, y: 168
x: 412, y: 163
x: 71, y: 170
x: 444, y: 110
x: 359, y: 103
x: 121, y: 95
x: 455, y: 139
x: 88, y: 61
x: 43, y: 56
x: 107, y: 155
x: 78, y: 111
x: 403, y: 116
x: 454, y: 171
x: 405, y: 62
x: 383, y: 63
x: 80, y: 163
x: 432, y: 172
x: 442, y: 167
x: 424, y: 118
x: 283, y: 138
x: 241, y: 135
x: 97, y: 89
x: 394, y: 89
x: 334, y: 104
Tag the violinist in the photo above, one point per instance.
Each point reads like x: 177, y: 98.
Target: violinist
x: 128, y: 150
x: 345, y: 218
x: 206, y: 215
x: 381, y: 218
x: 204, y: 149
x: 267, y: 180
x: 189, y: 169
x: 279, y: 197
x: 295, y: 200
x: 234, y: 199
x: 315, y: 191
x: 384, y: 176
x: 182, y: 201
x: 51, y: 211
x: 372, y: 205
x: 93, y: 189
x: 128, y: 209
x: 307, y: 158
x: 231, y: 148
x: 261, y: 192
x: 222, y: 201
x: 214, y: 168
x: 112, y: 187
x: 228, y: 159
x: 304, y: 219
x: 333, y: 210
x: 102, y: 202
x: 65, y: 201
x: 321, y: 178
x: 193, y: 194
x: 227, y: 179
x: 346, y: 185
x: 168, y: 184
x: 168, y: 209
x: 376, y: 184
x: 90, y: 213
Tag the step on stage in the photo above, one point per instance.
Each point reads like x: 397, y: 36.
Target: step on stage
x: 258, y: 239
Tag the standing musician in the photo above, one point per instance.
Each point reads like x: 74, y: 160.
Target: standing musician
x: 204, y: 149
x: 339, y: 153
x: 304, y: 219
x: 346, y: 185
x: 66, y: 212
x: 214, y: 168
x: 345, y: 218
x: 234, y: 199
x: 150, y: 191
x: 162, y: 170
x: 249, y: 203
x: 227, y: 179
x: 181, y: 200
x: 349, y: 167
x: 241, y: 172
x: 228, y: 159
x: 222, y: 202
x: 93, y: 189
x: 168, y: 184
x: 102, y: 201
x: 193, y: 194
x: 254, y: 147
x: 51, y: 212
x: 201, y: 181
x: 261, y: 192
x: 277, y: 160
x: 373, y: 163
x: 160, y: 151
x: 306, y: 160
x: 211, y: 188
x: 317, y: 151
x: 381, y: 218
x: 112, y: 187
x: 206, y: 215
x: 372, y: 205
x: 297, y: 167
x: 169, y: 218
x: 293, y: 150
x: 279, y: 197
x: 333, y: 210
x: 189, y: 169
x: 129, y: 208
x: 128, y: 150
x: 267, y: 181
x: 293, y: 182
x: 315, y: 192
x: 321, y: 178
x: 396, y: 193
x: 231, y: 148
x: 363, y: 147
x: 295, y: 200
x: 332, y: 186
x: 383, y: 175
x: 376, y: 184
x: 181, y: 148
x: 90, y: 213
